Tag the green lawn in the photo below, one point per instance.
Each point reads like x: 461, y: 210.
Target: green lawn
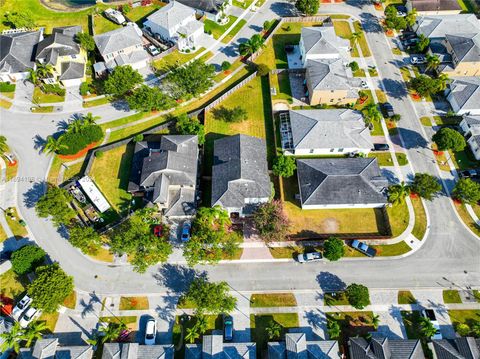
x: 243, y: 4
x: 72, y: 171
x: 362, y: 41
x: 13, y: 220
x: 40, y: 97
x: 468, y: 317
x: 285, y: 252
x: 406, y: 297
x: 420, y: 226
x: 398, y: 216
x: 3, y: 235
x: 71, y: 301
x: 352, y: 324
x: 342, y: 29
x: 426, y: 121
x: 50, y: 320
x: 12, y: 285
x: 383, y: 250
x: 336, y: 298
x: 467, y: 219
x: 97, y: 102
x: 102, y: 24
x: 232, y: 33
x: 175, y: 59
x: 259, y: 323
x: 265, y: 300
x: 281, y: 83
x: 129, y: 320
x: 359, y: 73
x: 133, y: 303
x: 383, y: 158
x: 464, y: 159
x: 451, y: 296
x: 217, y: 29
x: 5, y: 104
x: 42, y: 109
x: 132, y: 130
x: 377, y: 129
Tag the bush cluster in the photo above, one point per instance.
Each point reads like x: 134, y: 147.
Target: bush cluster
x: 53, y: 88
x: 7, y: 87
x: 75, y: 142
x: 27, y: 258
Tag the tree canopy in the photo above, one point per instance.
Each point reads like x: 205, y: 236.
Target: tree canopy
x: 50, y: 287
x: 211, y: 298
x: 357, y: 295
x: 122, y: 80
x: 398, y: 192
x: 449, y: 139
x: 86, y: 41
x: 212, y: 237
x: 86, y: 239
x: 186, y: 125
x: 54, y: 204
x: 307, y: 7
x: 27, y: 258
x: 425, y: 85
x: 425, y: 185
x: 252, y: 45
x: 190, y: 80
x: 333, y: 249
x: 284, y: 166
x: 271, y: 221
x: 467, y: 191
x: 146, y: 98
x: 392, y: 20
x: 234, y: 114
x: 135, y: 237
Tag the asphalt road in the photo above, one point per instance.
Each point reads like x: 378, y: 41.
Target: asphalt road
x: 450, y: 256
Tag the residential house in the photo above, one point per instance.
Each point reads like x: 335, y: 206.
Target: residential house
x: 177, y: 23
x: 5, y: 327
x: 458, y: 348
x: 322, y: 43
x: 50, y: 348
x: 17, y: 54
x: 164, y: 171
x: 434, y: 7
x: 330, y: 82
x: 435, y: 27
x: 470, y: 126
x: 240, y: 181
x: 341, y: 183
x: 297, y: 346
x: 213, y: 347
x: 324, y: 132
x: 211, y: 9
x: 463, y: 94
x: 64, y: 54
x: 122, y: 46
x: 381, y: 348
x: 136, y: 351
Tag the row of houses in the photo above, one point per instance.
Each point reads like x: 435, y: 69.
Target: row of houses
x: 295, y: 345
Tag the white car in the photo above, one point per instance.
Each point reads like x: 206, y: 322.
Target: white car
x: 309, y: 257
x: 153, y: 50
x: 114, y: 15
x: 150, y: 332
x: 418, y: 60
x: 23, y: 304
x: 364, y: 85
x: 30, y: 314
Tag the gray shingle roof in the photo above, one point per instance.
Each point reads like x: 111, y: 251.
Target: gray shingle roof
x: 136, y: 351
x: 171, y: 14
x: 240, y: 171
x: 117, y: 40
x: 297, y: 346
x: 323, y: 40
x: 465, y: 46
x: 458, y: 348
x: 383, y: 348
x: 72, y: 70
x: 213, y: 347
x: 329, y: 75
x: 437, y: 26
x: 211, y: 6
x: 340, y: 181
x: 17, y: 51
x: 50, y: 348
x: 60, y: 43
x: 340, y: 128
x: 435, y: 5
x: 466, y: 92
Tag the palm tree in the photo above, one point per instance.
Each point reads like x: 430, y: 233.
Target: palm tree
x: 442, y: 81
x: 111, y: 332
x: 75, y: 126
x: 375, y: 321
x: 426, y: 328
x: 201, y: 323
x: 44, y: 70
x: 333, y: 329
x: 274, y: 330
x: 252, y: 45
x: 3, y: 144
x: 398, y: 192
x: 12, y: 338
x: 433, y: 61
x: 192, y: 334
x: 34, y: 332
x: 355, y: 37
x: 372, y: 113
x: 33, y: 76
x: 89, y: 119
x: 52, y: 145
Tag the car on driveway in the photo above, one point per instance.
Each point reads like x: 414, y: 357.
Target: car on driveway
x: 364, y: 248
x: 158, y: 230
x: 150, y: 332
x: 411, y: 42
x: 152, y: 50
x: 418, y: 59
x: 363, y: 84
x: 472, y: 173
x: 23, y: 304
x: 407, y: 35
x: 309, y: 257
x: 381, y: 147
x: 30, y: 314
x: 401, y: 10
x: 227, y: 328
x: 388, y: 109
x: 186, y: 231
x: 430, y: 314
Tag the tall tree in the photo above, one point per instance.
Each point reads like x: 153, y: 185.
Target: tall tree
x: 190, y: 80
x: 357, y: 295
x: 252, y: 45
x: 467, y: 191
x: 433, y: 61
x: 111, y: 331
x: 54, y: 204
x: 146, y: 98
x: 355, y: 37
x: 90, y: 119
x: 208, y: 297
x: 27, y: 258
x: 449, y: 139
x: 122, y: 80
x: 284, y: 166
x: 34, y: 331
x: 426, y: 327
x: 422, y: 43
x: 398, y: 192
x: 271, y: 221
x: 425, y: 185
x: 411, y: 17
x: 86, y: 41
x: 333, y: 249
x: 307, y: 7
x: 44, y: 70
x: 33, y: 77
x: 52, y: 145
x: 442, y: 82
x: 85, y: 238
x: 424, y: 85
x: 186, y: 125
x: 371, y: 113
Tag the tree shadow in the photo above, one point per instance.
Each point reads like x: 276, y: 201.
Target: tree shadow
x: 330, y: 282
x: 394, y: 88
x: 316, y: 319
x: 411, y: 139
x: 369, y: 21
x: 33, y: 194
x: 177, y: 278
x: 39, y: 143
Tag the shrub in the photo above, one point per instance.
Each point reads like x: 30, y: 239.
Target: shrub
x: 84, y: 88
x: 27, y: 258
x: 7, y: 87
x: 53, y: 89
x: 358, y: 295
x: 99, y: 154
x: 354, y: 66
x: 76, y: 142
x: 138, y: 138
x: 226, y: 65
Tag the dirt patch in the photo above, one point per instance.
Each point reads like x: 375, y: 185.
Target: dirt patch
x: 330, y: 225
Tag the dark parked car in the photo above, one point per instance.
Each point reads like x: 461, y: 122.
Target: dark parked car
x: 411, y: 42
x: 381, y: 147
x: 469, y: 174
x: 227, y: 328
x: 407, y: 35
x: 364, y: 248
x: 388, y: 109
x: 401, y: 10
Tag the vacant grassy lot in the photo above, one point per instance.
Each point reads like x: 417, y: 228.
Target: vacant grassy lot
x: 264, y: 300
x: 111, y: 172
x: 451, y: 296
x: 406, y: 297
x: 259, y: 323
x: 133, y: 303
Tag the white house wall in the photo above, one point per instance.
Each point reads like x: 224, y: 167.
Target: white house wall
x: 344, y: 206
x: 474, y: 147
x: 325, y: 151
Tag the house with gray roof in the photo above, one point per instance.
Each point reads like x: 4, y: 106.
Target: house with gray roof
x: 51, y: 349
x: 330, y: 82
x: 458, y: 348
x: 297, y: 346
x: 213, y: 347
x: 435, y: 27
x: 17, y: 54
x: 341, y: 183
x: 137, y: 351
x: 164, y: 171
x: 5, y: 327
x: 381, y: 348
x: 470, y: 126
x: 177, y: 23
x: 322, y: 43
x: 463, y: 94
x: 211, y: 9
x: 123, y: 46
x: 434, y: 7
x: 240, y: 180
x: 64, y: 54
x: 324, y: 132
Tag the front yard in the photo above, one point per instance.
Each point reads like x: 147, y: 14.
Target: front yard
x: 466, y: 317
x: 177, y: 58
x: 259, y: 323
x: 41, y: 97
x: 216, y: 29
x: 352, y: 324
x: 264, y: 300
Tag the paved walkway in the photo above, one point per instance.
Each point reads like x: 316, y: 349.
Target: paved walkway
x: 253, y: 246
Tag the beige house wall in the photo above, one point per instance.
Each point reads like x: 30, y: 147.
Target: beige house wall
x: 335, y: 97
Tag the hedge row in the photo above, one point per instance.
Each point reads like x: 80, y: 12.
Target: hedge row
x: 75, y: 142
x: 7, y: 87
